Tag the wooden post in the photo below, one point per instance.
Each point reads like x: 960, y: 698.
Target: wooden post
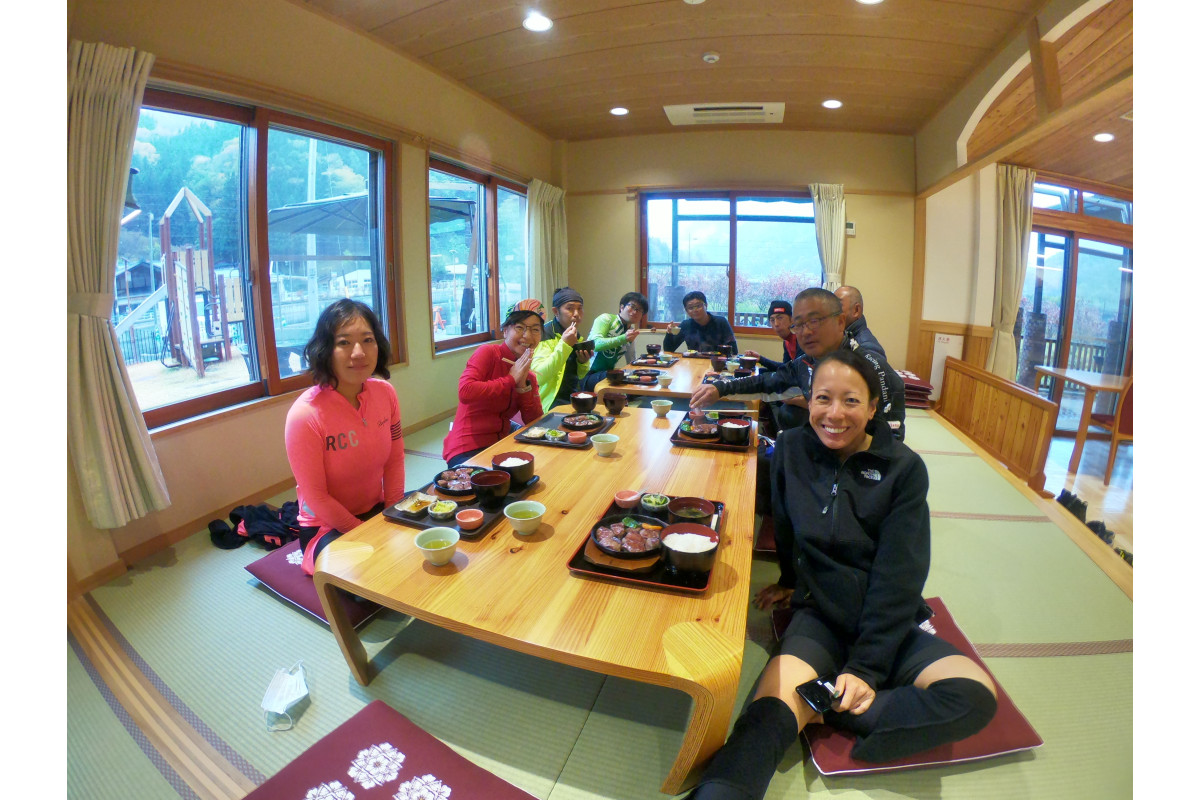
x: 1043, y: 57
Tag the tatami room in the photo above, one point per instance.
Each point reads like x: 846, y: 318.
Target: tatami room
x: 172, y: 643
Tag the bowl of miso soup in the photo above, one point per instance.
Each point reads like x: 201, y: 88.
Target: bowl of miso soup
x: 691, y: 509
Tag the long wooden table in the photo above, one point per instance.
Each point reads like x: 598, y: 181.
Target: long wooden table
x: 687, y: 375
x: 1092, y: 382
x: 516, y: 592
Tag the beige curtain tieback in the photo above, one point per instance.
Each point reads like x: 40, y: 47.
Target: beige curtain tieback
x: 90, y: 304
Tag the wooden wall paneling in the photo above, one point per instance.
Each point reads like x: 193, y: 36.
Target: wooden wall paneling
x: 916, y: 303
x: 1008, y: 421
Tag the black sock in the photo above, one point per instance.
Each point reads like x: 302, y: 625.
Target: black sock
x: 743, y: 767
x: 909, y: 720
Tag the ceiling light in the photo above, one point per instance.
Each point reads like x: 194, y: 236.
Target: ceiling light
x: 1104, y: 137
x: 831, y: 103
x: 537, y: 23
x: 711, y: 57
x: 870, y: 2
x: 693, y: 2
x: 618, y: 111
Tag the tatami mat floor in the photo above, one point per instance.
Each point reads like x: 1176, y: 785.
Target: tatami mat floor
x: 188, y: 636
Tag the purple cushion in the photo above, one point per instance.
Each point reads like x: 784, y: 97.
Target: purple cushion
x: 280, y: 572
x: 1008, y: 732
x: 378, y: 754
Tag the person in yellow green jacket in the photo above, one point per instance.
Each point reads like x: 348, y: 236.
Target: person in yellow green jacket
x: 558, y: 366
x: 614, y: 335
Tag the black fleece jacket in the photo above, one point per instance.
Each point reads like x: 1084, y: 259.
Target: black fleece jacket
x: 853, y: 540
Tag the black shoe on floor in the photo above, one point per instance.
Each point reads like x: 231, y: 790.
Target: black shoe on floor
x: 1100, y: 529
x: 1078, y: 508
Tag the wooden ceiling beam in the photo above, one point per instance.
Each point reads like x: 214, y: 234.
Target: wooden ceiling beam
x: 1047, y: 88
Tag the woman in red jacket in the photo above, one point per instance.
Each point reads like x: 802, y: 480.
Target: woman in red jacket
x: 496, y: 385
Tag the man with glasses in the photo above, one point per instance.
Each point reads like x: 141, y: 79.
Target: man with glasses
x: 614, y: 335
x: 820, y: 328
x: 558, y: 365
x: 701, y: 330
x: 856, y: 323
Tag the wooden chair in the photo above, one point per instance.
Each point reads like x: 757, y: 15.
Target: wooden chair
x: 1119, y: 424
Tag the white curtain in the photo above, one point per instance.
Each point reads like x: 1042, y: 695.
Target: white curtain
x: 1014, y: 221
x: 114, y: 459
x: 829, y: 207
x: 547, y: 240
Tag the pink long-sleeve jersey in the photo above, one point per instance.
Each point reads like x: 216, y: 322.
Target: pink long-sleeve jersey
x: 345, y: 460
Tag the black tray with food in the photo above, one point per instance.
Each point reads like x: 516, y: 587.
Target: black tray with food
x: 649, y: 570
x: 714, y: 377
x: 554, y: 422
x: 682, y: 438
x: 424, y: 520
x: 644, y: 379
x: 651, y: 361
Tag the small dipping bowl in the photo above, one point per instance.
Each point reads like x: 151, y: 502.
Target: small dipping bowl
x: 605, y: 443
x: 437, y: 544
x: 650, y: 507
x: 525, y: 515
x: 615, y: 401
x: 521, y: 473
x: 469, y: 518
x: 577, y: 437
x: 698, y: 414
x: 583, y: 402
x: 627, y: 499
x: 491, y: 486
x: 654, y: 349
x: 690, y: 509
x: 734, y: 431
x: 661, y: 407
x: 664, y: 380
x: 687, y: 561
x: 447, y: 514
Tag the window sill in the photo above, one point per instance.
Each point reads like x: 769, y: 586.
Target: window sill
x: 221, y: 414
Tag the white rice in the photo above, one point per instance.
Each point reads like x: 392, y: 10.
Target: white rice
x: 688, y: 542
x: 512, y: 462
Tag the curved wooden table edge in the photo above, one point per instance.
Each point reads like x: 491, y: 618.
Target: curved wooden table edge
x: 712, y: 687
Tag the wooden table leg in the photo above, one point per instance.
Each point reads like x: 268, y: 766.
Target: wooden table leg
x: 1085, y: 419
x: 714, y: 670
x: 343, y: 631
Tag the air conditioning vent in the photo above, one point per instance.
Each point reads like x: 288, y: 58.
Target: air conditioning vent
x: 724, y: 113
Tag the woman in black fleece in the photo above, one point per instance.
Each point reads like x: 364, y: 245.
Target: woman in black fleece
x: 852, y: 530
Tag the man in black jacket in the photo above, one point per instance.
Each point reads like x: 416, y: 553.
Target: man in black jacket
x: 856, y: 323
x: 820, y: 328
x: 701, y: 330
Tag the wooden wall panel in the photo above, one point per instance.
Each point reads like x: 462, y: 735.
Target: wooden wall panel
x: 1011, y: 423
x: 977, y: 340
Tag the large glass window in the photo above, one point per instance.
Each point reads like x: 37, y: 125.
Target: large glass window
x: 742, y: 250
x: 193, y: 275
x: 1077, y: 302
x: 477, y: 260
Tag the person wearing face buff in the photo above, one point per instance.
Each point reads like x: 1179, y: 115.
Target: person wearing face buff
x: 853, y: 534
x: 496, y: 385
x: 343, y: 435
x: 559, y: 367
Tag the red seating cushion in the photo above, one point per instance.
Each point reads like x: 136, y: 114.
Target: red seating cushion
x: 1008, y: 732
x: 378, y: 754
x: 280, y: 572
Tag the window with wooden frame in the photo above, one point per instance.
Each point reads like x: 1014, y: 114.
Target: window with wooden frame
x: 477, y: 258
x: 743, y: 249
x: 247, y: 223
x: 1076, y: 308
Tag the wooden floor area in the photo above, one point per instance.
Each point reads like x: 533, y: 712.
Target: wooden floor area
x: 1113, y: 503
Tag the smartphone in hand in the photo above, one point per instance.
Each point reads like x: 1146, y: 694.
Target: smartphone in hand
x: 819, y: 693
x: 588, y: 345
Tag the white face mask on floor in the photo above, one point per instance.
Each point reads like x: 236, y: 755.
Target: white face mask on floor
x: 287, y: 689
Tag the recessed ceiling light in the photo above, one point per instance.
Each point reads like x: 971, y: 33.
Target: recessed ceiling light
x: 618, y: 111
x: 693, y: 2
x: 711, y: 57
x: 537, y: 22
x: 832, y: 103
x: 870, y: 2
x: 1104, y: 137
